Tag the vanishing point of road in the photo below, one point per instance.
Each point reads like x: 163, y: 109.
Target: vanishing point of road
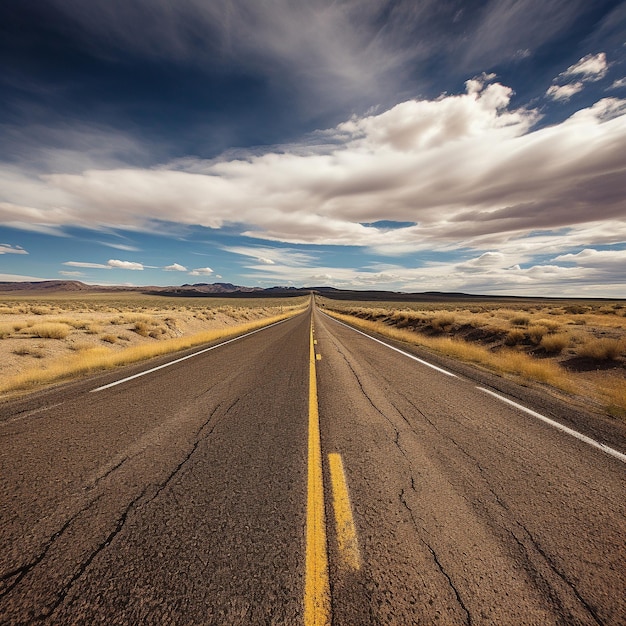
x: 308, y: 474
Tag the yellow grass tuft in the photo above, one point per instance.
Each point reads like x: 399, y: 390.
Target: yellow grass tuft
x: 85, y: 361
x: 50, y: 330
x: 555, y: 344
x: 508, y: 361
x: 602, y: 349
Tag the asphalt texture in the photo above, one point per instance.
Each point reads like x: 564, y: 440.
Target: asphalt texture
x: 180, y: 497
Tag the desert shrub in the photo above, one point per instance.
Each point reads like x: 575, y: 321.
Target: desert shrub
x: 442, y: 322
x: 141, y: 328
x: 50, y: 330
x: 576, y: 309
x: 109, y: 338
x: 536, y: 332
x: 6, y: 330
x: 26, y: 351
x: 156, y: 333
x: 515, y: 337
x: 520, y: 320
x: 555, y: 344
x: 551, y: 325
x: 604, y: 349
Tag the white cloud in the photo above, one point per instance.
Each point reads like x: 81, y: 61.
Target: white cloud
x: 620, y: 83
x: 19, y: 278
x: 270, y: 256
x: 7, y: 248
x: 201, y: 271
x: 466, y: 170
x: 124, y: 265
x: 99, y: 266
x: 596, y: 258
x: 110, y: 264
x: 176, y: 267
x: 120, y: 246
x: 564, y: 92
x: 590, y: 68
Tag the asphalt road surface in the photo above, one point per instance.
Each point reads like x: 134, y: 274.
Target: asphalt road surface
x: 304, y: 477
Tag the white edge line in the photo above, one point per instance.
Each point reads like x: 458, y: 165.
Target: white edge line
x: 184, y: 358
x: 561, y: 427
x: 411, y: 356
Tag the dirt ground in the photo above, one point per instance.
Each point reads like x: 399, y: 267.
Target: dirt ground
x: 35, y: 332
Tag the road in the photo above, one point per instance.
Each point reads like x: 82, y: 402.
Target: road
x: 303, y: 474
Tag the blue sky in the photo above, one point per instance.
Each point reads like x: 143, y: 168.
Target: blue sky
x: 417, y: 145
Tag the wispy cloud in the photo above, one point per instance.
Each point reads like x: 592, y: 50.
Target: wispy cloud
x: 72, y: 274
x: 564, y: 92
x: 120, y: 246
x: 110, y: 264
x: 590, y: 68
x: 6, y: 248
x: 272, y: 256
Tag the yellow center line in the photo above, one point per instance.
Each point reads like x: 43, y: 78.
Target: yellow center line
x: 316, y: 586
x: 346, y: 531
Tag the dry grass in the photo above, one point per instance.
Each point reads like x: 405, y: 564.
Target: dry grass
x: 602, y: 349
x: 50, y: 330
x: 88, y: 360
x: 555, y: 344
x: 535, y: 339
x: 503, y: 361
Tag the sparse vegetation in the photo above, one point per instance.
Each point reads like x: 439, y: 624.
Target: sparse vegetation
x: 558, y: 343
x: 555, y: 344
x: 99, y: 331
x: 602, y: 349
x: 50, y: 330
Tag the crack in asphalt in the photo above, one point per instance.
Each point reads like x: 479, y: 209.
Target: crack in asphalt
x: 459, y: 599
x: 419, y: 528
x: 21, y: 572
x: 532, y: 570
x: 561, y: 575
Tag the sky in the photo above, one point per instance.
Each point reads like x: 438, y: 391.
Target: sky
x: 409, y: 145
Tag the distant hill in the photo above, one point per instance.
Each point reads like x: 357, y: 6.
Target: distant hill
x: 228, y: 290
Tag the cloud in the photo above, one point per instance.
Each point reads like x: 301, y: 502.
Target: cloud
x: 590, y: 68
x: 120, y: 246
x: 124, y: 265
x: 620, y: 83
x: 110, y: 264
x: 176, y: 267
x: 564, y: 92
x: 6, y: 248
x: 99, y: 266
x: 72, y: 274
x: 271, y: 256
x: 595, y: 258
x: 201, y: 271
x: 459, y: 171
x: 19, y: 278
